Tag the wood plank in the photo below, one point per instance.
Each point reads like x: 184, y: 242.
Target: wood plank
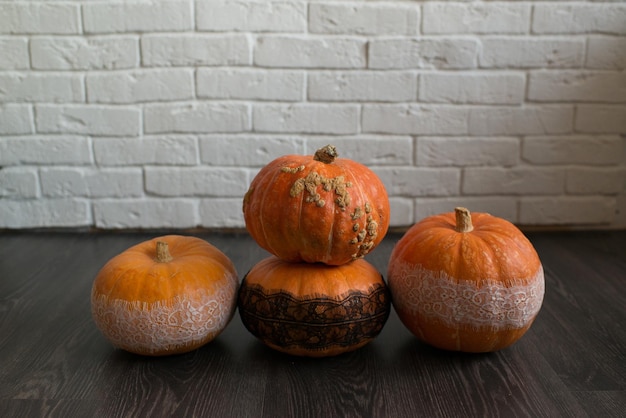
x: 584, y: 302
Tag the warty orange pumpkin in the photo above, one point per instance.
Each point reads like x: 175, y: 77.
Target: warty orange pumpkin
x: 313, y: 309
x: 466, y: 282
x: 318, y: 208
x: 168, y: 295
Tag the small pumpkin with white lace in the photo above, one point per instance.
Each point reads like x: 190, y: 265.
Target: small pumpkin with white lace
x: 168, y: 295
x: 466, y: 281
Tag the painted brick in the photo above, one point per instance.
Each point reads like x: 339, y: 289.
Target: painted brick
x: 92, y: 53
x: 144, y: 213
x: 485, y: 88
x: 513, y: 181
x: 14, y: 53
x: 194, y: 50
x: 44, y: 213
x: 157, y: 114
x: 19, y: 183
x: 401, y: 209
x: 253, y: 16
x: 413, y: 119
x: 585, y: 180
x: 90, y: 120
x: 577, y: 86
x: 246, y: 151
x: 45, y: 150
x: 196, y: 181
x: 600, y: 119
x: 308, y: 52
x: 388, y: 86
x: 197, y: 117
x: 140, y: 86
x: 221, y: 213
x: 527, y: 120
x: 306, y: 118
x: 559, y: 210
x: 476, y: 17
x: 423, y: 53
x: 16, y: 119
x: 519, y: 52
x: 250, y: 84
x: 39, y: 18
x: 605, y: 52
x: 364, y: 19
x: 90, y: 182
x: 38, y: 87
x: 502, y: 207
x: 579, y: 18
x: 150, y: 150
x: 414, y: 182
x: 467, y: 151
x: 370, y: 150
x: 589, y: 150
x: 138, y: 16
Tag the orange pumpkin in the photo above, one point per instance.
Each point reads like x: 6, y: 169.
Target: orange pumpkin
x: 466, y: 282
x: 314, y: 310
x: 318, y: 208
x: 169, y: 295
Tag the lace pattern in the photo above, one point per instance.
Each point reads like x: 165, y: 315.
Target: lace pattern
x: 165, y: 326
x: 454, y: 302
x: 285, y: 320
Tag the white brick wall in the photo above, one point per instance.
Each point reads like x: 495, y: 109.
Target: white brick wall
x: 158, y: 113
x: 84, y: 53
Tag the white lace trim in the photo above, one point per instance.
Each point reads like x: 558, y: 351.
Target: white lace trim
x: 165, y: 326
x: 454, y: 302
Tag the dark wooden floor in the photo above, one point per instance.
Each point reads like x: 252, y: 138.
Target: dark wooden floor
x: 54, y: 362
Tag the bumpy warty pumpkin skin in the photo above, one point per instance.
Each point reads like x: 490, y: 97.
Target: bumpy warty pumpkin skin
x: 314, y: 310
x: 159, y: 308
x: 300, y: 208
x: 475, y: 291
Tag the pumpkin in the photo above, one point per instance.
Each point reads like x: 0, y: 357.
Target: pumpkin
x: 466, y: 281
x: 314, y: 310
x: 318, y: 208
x: 168, y: 295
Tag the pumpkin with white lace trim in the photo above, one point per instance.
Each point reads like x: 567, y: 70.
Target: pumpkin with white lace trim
x: 168, y: 295
x: 466, y: 282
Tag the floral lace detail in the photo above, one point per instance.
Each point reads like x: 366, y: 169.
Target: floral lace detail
x: 285, y: 320
x: 430, y: 294
x: 168, y: 325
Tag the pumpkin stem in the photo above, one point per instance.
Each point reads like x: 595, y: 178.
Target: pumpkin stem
x: 326, y: 154
x: 163, y: 252
x: 463, y: 220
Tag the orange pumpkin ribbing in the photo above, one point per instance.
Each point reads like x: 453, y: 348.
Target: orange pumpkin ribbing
x: 302, y: 209
x: 312, y: 280
x: 136, y: 275
x: 494, y: 249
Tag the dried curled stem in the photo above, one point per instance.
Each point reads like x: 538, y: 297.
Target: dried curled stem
x: 326, y: 154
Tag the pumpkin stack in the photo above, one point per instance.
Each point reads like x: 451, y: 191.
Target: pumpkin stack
x: 318, y: 216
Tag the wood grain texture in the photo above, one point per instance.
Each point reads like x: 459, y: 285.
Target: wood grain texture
x: 54, y: 362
